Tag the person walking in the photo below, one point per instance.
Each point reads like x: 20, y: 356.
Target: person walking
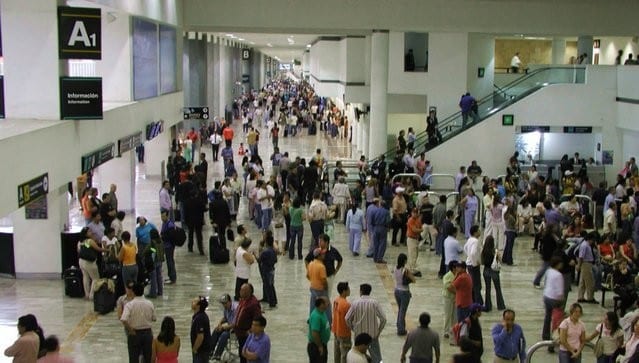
x: 298, y: 216
x: 414, y: 229
x: 367, y: 316
x: 137, y: 317
x: 553, y: 293
x: 490, y: 258
x: 515, y: 63
x: 421, y: 341
x: 355, y: 226
x: 473, y: 250
x: 380, y: 219
x: 403, y: 277
x: 508, y: 339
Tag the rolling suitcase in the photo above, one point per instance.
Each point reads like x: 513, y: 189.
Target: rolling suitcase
x: 230, y: 236
x: 312, y: 128
x: 73, y: 282
x: 217, y: 253
x: 104, y: 296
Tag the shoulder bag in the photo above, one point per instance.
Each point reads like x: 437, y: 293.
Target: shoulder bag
x: 599, y: 344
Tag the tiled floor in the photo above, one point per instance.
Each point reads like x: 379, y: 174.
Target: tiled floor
x: 92, y: 338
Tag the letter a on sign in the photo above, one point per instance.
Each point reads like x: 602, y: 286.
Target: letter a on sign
x: 79, y: 33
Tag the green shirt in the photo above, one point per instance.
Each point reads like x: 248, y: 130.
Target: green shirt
x: 319, y: 322
x: 447, y: 280
x: 296, y: 216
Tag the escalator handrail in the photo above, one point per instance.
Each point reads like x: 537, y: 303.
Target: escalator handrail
x: 546, y: 343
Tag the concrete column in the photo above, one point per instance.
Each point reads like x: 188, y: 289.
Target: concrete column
x: 365, y: 124
x: 584, y: 45
x: 36, y: 242
x: 558, y: 51
x: 121, y: 172
x: 157, y: 151
x: 30, y: 50
x: 378, y: 125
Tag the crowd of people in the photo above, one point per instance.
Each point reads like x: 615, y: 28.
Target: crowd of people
x: 473, y: 239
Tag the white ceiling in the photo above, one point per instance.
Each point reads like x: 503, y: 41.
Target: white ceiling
x: 286, y: 47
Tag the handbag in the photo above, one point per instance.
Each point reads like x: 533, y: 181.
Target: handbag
x: 405, y: 279
x: 496, y: 265
x: 599, y: 344
x: 87, y: 252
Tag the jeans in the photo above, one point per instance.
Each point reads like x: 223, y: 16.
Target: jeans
x: 169, y: 252
x: 475, y: 275
x: 341, y: 346
x: 354, y: 239
x: 129, y: 273
x: 140, y: 343
x: 267, y: 217
x: 508, y: 250
x: 402, y: 297
x: 314, y: 295
x: 549, y: 304
x: 219, y: 341
x: 296, y: 233
x: 492, y: 275
x: 268, y: 280
x: 314, y: 355
x: 375, y: 351
x: 258, y: 215
x: 565, y: 357
x: 380, y: 239
x: 157, y: 284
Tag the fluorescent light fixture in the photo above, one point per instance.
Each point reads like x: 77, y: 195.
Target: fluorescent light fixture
x: 308, y: 45
x: 230, y: 35
x: 240, y: 39
x: 269, y: 45
x: 252, y: 43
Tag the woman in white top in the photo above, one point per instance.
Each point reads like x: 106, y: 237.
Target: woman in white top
x: 354, y: 226
x: 497, y: 223
x: 631, y: 344
x: 611, y: 334
x: 525, y: 217
x: 572, y: 336
x: 243, y: 261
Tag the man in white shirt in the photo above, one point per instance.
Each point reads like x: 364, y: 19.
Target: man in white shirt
x: 472, y: 249
x: 366, y: 316
x: 216, y: 140
x: 515, y: 63
x: 553, y: 293
x: 610, y: 219
x: 357, y: 354
x: 452, y: 248
x: 265, y: 196
x: 137, y: 317
x: 166, y: 203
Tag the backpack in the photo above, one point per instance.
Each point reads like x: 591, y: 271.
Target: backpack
x: 460, y: 330
x: 177, y: 236
x: 573, y: 250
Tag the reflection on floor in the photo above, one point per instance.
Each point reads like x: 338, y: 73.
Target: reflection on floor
x: 92, y: 338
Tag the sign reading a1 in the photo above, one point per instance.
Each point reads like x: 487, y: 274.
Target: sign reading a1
x: 246, y: 54
x: 196, y: 113
x: 79, y: 33
x: 33, y: 189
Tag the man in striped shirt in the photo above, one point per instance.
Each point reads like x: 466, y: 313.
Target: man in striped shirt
x: 366, y: 316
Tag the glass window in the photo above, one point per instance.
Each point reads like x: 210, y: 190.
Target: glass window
x: 415, y: 52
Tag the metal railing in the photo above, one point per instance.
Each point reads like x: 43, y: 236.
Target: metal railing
x: 546, y: 343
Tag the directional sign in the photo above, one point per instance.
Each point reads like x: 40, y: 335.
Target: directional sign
x: 200, y: 113
x: 33, y: 189
x: 129, y: 142
x: 79, y: 33
x: 98, y: 157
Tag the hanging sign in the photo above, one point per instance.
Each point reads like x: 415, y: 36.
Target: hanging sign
x: 79, y: 33
x: 33, y: 189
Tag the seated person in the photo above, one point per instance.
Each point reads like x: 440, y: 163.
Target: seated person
x: 607, y: 251
x: 574, y: 229
x: 623, y: 282
x: 570, y: 207
x: 628, y: 253
x: 525, y: 217
x: 220, y: 335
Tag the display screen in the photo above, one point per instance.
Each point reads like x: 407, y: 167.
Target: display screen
x: 145, y: 59
x: 168, y: 62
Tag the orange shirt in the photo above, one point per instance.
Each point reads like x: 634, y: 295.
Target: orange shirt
x: 413, y: 223
x: 86, y: 206
x: 227, y: 133
x: 463, y: 290
x: 129, y: 250
x: 340, y: 308
x: 317, y: 275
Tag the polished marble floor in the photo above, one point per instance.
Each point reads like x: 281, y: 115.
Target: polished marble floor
x: 92, y: 338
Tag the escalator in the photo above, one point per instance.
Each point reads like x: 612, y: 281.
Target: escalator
x: 499, y: 99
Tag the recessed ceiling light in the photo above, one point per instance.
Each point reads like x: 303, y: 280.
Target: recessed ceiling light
x: 240, y: 39
x: 229, y: 35
x: 252, y: 43
x: 269, y: 45
x: 308, y: 45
